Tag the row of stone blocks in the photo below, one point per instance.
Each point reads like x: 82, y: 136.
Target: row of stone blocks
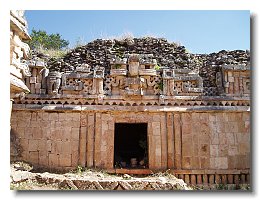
x: 199, y: 179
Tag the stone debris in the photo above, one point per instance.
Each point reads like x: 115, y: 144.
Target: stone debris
x: 167, y: 54
x: 97, y: 181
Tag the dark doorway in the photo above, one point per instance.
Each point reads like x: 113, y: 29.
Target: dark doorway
x: 130, y: 145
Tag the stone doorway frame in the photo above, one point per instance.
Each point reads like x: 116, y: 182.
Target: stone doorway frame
x: 103, y: 138
x: 147, y: 142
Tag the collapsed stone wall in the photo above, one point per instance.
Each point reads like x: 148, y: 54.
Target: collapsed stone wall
x: 168, y: 54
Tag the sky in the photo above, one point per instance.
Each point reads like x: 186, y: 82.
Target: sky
x: 199, y: 31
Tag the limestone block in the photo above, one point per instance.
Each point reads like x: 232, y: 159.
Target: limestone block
x: 187, y: 178
x: 34, y: 157
x: 186, y: 118
x: 247, y: 126
x: 204, y: 130
x: 223, y: 150
x: 218, y: 179
x: 20, y: 132
x: 53, y: 160
x: 83, y: 121
x: 231, y: 79
x: 219, y: 117
x: 186, y: 149
x: 243, y: 179
x: 221, y: 163
x: 28, y: 133
x: 43, y: 160
x: 62, y: 117
x: 244, y: 148
x: 65, y: 160
x: 230, y: 138
x: 195, y: 128
x: 66, y: 147
x: 49, y: 145
x: 39, y: 78
x: 75, y: 158
x: 97, y: 159
x: 233, y: 150
x: 37, y: 133
x: 75, y: 133
x: 204, y: 150
x: 195, y: 117
x: 66, y: 134
x: 37, y: 86
x: 42, y: 91
x: 204, y: 117
x: 56, y: 147
x: 224, y: 179
x: 214, y: 138
x: 214, y: 150
x: 236, y: 179
x: 156, y: 118
x: 204, y: 162
x: 75, y: 117
x: 156, y: 127
x: 186, y: 128
x: 45, y: 116
x: 199, y: 179
x: 24, y: 144
x: 53, y: 116
x: 195, y: 149
x: 212, y: 117
x: 246, y: 116
x: 42, y: 145
x: 222, y: 139
x: 58, y: 125
x: 104, y: 126
x: 32, y: 79
x: 33, y: 145
x: 195, y: 162
x: 230, y: 179
x: 205, y: 179
x: 232, y: 162
x: 186, y: 162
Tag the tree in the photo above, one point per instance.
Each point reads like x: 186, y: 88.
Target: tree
x: 42, y: 40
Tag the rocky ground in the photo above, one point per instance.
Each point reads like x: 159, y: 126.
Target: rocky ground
x: 23, y: 177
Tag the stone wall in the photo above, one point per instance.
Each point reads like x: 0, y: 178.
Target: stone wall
x: 188, y: 143
x: 19, y: 51
x: 48, y: 139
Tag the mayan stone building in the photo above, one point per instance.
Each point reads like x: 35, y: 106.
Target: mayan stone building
x: 138, y: 105
x: 19, y: 51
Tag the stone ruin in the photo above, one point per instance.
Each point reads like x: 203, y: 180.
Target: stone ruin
x: 135, y: 106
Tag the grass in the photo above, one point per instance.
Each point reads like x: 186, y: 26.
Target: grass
x: 55, y: 53
x: 34, y: 185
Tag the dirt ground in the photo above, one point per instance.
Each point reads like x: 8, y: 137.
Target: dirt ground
x: 24, y: 177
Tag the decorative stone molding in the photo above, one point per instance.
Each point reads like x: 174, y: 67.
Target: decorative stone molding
x: 235, y: 80
x: 19, y: 51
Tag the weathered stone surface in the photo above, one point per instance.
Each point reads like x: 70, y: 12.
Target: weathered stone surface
x: 196, y: 107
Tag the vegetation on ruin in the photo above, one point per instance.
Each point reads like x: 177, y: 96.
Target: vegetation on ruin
x: 41, y: 39
x: 49, y: 44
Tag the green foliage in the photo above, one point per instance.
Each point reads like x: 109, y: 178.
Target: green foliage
x: 160, y: 85
x: 79, y: 169
x: 117, y: 66
x: 42, y: 40
x: 157, y: 67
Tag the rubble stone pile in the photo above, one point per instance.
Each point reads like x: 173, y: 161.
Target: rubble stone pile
x: 211, y: 63
x: 100, y: 52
